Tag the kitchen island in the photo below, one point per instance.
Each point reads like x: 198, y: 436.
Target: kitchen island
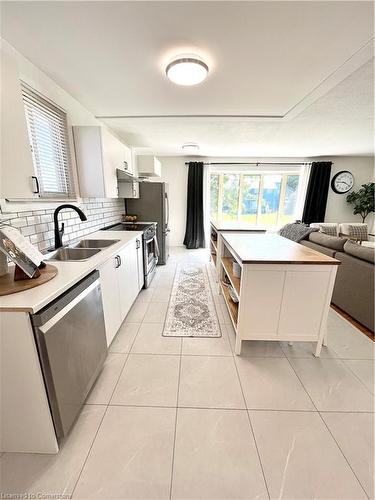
x: 283, y: 291
x: 235, y: 227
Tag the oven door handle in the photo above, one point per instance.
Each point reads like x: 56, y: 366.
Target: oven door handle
x: 157, y: 253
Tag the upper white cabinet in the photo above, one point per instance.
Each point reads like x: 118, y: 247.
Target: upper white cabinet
x: 17, y: 167
x: 98, y: 155
x: 148, y: 166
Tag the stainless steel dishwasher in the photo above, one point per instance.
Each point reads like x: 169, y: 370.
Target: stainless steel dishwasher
x: 71, y: 341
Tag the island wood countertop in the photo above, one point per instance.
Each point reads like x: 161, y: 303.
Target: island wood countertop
x: 273, y: 249
x: 236, y: 226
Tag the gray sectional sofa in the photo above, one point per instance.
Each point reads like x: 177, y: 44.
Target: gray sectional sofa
x: 354, y: 287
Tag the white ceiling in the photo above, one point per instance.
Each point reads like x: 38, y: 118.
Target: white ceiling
x: 283, y: 59
x: 339, y: 123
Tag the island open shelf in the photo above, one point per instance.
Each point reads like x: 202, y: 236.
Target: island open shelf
x: 235, y: 227
x: 227, y: 264
x: 232, y: 306
x: 284, y: 291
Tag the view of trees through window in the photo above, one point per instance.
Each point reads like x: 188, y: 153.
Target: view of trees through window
x: 267, y: 199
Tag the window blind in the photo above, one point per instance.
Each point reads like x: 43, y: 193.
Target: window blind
x: 48, y: 135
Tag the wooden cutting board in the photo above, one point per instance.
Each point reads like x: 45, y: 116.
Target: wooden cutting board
x: 8, y: 285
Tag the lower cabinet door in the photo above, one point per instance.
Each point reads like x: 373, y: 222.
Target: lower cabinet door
x: 128, y: 277
x: 111, y: 298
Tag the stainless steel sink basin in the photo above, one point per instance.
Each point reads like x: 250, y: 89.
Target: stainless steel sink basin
x: 73, y: 254
x: 94, y: 243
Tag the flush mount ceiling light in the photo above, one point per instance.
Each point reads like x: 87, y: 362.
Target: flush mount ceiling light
x: 190, y: 147
x: 187, y: 71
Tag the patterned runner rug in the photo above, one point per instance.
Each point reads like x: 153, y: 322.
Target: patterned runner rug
x: 191, y: 311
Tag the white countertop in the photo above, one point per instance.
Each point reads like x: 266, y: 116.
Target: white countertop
x: 69, y: 273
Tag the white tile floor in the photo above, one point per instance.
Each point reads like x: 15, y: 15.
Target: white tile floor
x: 186, y: 419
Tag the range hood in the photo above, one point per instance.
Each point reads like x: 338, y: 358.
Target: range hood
x: 123, y: 176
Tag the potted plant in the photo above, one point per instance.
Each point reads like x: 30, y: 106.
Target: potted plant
x: 363, y: 200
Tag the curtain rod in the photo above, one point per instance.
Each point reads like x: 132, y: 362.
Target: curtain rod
x: 255, y: 163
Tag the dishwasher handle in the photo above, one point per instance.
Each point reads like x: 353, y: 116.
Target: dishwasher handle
x: 60, y: 306
x: 63, y: 312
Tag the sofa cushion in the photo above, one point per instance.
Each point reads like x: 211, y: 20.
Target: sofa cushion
x: 360, y: 252
x: 354, y: 288
x: 319, y: 248
x: 325, y: 240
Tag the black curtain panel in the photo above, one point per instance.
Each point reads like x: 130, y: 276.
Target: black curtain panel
x: 317, y: 192
x: 194, y: 234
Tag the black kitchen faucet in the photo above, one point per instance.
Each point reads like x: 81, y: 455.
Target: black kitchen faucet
x: 59, y: 232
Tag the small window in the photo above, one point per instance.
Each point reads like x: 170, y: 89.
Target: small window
x: 48, y: 135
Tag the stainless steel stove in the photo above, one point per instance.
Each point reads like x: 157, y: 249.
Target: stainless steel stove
x: 150, y: 245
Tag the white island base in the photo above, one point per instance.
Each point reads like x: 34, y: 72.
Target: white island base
x: 284, y: 292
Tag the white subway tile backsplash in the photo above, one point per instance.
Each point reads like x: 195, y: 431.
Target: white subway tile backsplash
x: 26, y: 231
x: 36, y: 238
x: 37, y: 225
x: 35, y: 219
x: 19, y: 222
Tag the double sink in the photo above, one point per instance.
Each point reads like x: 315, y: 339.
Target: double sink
x: 82, y: 250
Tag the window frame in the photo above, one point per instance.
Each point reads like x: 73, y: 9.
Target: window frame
x: 45, y: 195
x: 300, y: 171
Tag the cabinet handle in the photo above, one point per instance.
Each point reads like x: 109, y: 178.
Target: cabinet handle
x: 117, y: 261
x: 138, y: 244
x: 125, y: 165
x: 37, y: 189
x: 120, y: 262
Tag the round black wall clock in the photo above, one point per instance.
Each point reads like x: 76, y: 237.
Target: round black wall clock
x: 342, y: 182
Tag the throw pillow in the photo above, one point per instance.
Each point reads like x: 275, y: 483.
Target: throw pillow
x: 296, y: 231
x: 358, y: 232
x: 327, y: 229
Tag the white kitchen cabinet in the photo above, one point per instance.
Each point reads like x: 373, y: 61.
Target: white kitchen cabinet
x: 128, y: 189
x: 111, y: 297
x: 128, y: 277
x: 148, y: 166
x: 17, y: 167
x: 98, y: 155
x: 141, y: 276
x: 120, y: 286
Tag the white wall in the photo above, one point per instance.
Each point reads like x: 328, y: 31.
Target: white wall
x: 362, y: 167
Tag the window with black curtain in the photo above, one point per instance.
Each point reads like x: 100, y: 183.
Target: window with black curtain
x: 194, y: 234
x: 317, y: 192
